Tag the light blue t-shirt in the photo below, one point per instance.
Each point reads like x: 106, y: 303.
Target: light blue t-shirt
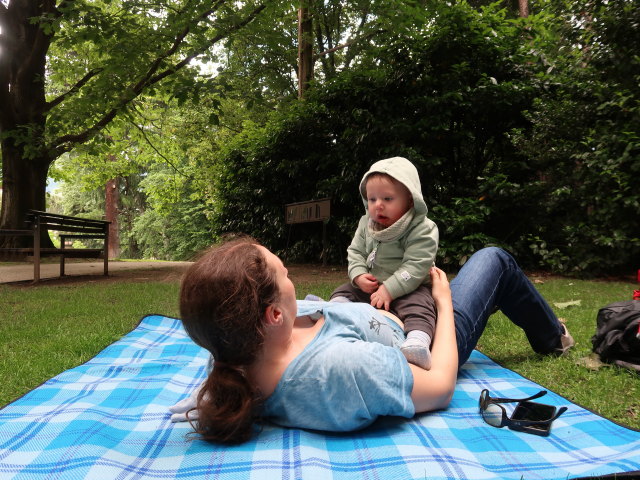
x: 351, y: 373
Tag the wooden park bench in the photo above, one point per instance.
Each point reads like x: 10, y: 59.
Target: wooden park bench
x: 70, y: 228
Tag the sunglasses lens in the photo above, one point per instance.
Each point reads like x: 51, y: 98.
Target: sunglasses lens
x: 492, y: 414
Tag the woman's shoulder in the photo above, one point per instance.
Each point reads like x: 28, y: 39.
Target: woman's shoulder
x: 354, y: 322
x: 352, y: 316
x: 346, y: 311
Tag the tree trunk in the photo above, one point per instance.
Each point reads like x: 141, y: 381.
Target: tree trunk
x: 112, y: 197
x: 24, y: 185
x: 305, y: 47
x: 25, y: 161
x: 523, y: 7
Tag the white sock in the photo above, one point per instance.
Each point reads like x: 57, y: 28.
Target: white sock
x: 416, y: 349
x: 340, y: 299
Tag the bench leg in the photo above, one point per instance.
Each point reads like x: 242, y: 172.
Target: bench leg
x: 36, y: 267
x: 62, y: 258
x: 36, y: 254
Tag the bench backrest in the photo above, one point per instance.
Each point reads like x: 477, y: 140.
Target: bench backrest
x: 65, y: 223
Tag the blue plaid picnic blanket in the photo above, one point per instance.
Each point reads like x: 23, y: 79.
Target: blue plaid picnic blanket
x: 109, y: 419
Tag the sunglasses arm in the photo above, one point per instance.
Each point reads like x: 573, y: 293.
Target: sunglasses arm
x: 511, y: 400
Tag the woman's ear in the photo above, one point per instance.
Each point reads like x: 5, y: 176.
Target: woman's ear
x: 273, y: 316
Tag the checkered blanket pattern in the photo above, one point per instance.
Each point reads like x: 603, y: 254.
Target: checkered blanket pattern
x: 108, y: 419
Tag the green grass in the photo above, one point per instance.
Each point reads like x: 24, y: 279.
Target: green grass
x: 47, y: 329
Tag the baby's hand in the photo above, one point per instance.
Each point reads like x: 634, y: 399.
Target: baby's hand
x: 381, y: 298
x: 366, y: 282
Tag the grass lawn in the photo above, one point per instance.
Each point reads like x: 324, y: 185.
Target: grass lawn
x: 50, y: 328
x: 47, y: 329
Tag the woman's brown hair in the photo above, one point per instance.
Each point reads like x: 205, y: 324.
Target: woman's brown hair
x: 223, y: 299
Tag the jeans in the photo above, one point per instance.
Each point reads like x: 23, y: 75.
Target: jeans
x: 491, y: 279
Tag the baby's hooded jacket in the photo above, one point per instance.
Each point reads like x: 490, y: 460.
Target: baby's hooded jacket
x: 401, y: 264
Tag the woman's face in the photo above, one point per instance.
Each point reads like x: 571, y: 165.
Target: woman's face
x: 285, y: 285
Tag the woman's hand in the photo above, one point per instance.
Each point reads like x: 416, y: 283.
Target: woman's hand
x: 440, y: 290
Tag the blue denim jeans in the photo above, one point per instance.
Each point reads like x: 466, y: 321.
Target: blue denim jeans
x: 491, y: 279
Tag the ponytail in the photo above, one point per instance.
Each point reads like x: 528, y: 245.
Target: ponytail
x: 228, y: 406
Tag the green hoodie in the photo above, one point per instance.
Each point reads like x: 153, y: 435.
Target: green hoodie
x: 402, y: 263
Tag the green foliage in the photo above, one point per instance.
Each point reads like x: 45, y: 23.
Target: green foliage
x: 161, y: 213
x: 462, y: 229
x: 125, y: 47
x: 585, y: 142
x: 525, y: 132
x: 444, y: 95
x: 173, y: 236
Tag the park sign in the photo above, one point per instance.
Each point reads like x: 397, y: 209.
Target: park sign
x: 310, y: 211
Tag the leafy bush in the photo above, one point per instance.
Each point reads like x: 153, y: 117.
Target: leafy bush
x: 174, y: 235
x: 444, y: 97
x: 585, y: 142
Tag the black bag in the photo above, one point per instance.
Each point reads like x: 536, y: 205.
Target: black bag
x: 616, y: 338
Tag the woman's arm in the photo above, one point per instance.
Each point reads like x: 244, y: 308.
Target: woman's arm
x: 433, y: 389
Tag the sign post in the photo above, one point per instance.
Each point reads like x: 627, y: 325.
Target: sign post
x: 311, y: 211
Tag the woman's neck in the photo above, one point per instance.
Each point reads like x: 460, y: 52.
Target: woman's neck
x: 279, y: 351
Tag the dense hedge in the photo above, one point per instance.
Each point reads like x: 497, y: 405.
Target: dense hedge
x: 510, y: 152
x: 585, y: 142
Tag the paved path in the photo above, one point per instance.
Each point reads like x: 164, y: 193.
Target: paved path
x: 24, y: 271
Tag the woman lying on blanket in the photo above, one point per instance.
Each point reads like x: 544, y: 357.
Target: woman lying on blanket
x: 337, y: 366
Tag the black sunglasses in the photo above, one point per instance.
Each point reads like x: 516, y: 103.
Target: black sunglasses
x: 496, y: 415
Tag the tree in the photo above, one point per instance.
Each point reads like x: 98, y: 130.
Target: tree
x: 305, y: 47
x: 261, y: 63
x: 67, y: 70
x: 158, y: 156
x: 523, y: 8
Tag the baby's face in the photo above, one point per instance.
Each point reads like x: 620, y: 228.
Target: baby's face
x: 387, y: 200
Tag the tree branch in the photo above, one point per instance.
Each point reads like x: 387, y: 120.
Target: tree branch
x: 209, y: 43
x: 335, y: 49
x: 155, y: 65
x: 363, y: 21
x: 144, y: 135
x: 73, y: 90
x: 347, y: 43
x: 65, y: 143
